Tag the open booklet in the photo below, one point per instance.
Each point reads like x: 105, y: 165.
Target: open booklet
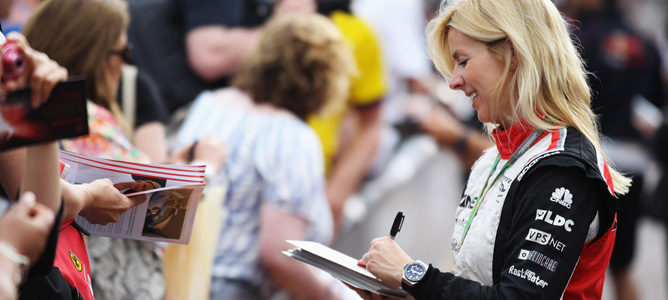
x: 168, y: 196
x: 342, y: 267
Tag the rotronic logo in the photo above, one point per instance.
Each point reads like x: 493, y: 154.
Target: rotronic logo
x: 556, y: 220
x: 544, y: 238
x: 562, y: 196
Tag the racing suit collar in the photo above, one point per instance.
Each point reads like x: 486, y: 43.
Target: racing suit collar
x: 508, y: 140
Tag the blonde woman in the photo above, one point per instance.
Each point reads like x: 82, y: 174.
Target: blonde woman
x: 537, y: 217
x: 276, y: 172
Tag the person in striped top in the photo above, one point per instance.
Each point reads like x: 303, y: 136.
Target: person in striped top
x: 275, y: 169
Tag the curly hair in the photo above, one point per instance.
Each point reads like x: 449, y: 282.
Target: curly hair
x: 301, y: 64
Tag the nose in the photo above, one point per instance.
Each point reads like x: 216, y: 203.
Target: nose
x: 456, y: 80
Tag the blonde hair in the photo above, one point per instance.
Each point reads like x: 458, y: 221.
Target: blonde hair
x: 549, y: 82
x: 79, y: 35
x: 301, y: 63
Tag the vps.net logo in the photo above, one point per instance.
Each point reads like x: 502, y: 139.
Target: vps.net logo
x: 544, y: 238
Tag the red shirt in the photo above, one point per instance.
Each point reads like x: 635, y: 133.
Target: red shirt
x: 72, y: 259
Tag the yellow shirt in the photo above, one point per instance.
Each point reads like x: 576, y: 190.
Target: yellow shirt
x: 367, y: 88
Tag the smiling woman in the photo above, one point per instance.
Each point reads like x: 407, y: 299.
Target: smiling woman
x: 477, y: 73
x: 539, y: 220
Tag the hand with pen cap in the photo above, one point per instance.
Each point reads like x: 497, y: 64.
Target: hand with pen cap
x: 386, y: 261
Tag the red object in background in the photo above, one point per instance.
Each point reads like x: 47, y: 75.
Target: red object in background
x: 13, y: 61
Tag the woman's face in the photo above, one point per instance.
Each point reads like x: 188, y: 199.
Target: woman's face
x: 476, y: 73
x: 142, y: 185
x: 115, y: 61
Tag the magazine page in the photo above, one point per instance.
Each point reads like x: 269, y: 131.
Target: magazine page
x: 164, y: 215
x: 168, y: 194
x: 63, y: 115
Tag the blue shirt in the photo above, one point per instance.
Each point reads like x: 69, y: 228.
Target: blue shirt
x: 274, y: 159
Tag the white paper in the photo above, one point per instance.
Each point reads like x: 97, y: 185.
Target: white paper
x: 342, y: 267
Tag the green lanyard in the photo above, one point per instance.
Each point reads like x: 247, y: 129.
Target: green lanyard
x: 519, y: 152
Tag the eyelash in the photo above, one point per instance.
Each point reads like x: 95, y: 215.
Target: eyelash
x: 463, y: 62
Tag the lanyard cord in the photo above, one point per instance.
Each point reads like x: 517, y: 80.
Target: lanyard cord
x: 519, y: 152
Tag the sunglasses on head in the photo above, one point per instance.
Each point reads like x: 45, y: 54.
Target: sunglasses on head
x: 125, y: 53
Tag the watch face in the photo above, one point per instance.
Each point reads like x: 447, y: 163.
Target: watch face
x: 414, y: 272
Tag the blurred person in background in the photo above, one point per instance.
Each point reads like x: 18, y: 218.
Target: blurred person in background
x: 84, y: 36
x: 437, y: 120
x: 626, y: 76
x: 350, y: 137
x: 301, y: 66
x: 539, y: 220
x: 19, y: 12
x: 88, y: 38
x: 219, y: 34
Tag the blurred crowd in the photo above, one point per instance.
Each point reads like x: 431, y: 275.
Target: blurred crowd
x: 308, y: 112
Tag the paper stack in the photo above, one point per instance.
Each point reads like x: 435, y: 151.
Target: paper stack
x: 342, y: 267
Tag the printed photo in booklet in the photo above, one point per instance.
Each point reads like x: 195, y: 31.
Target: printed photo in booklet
x: 166, y: 211
x: 62, y: 116
x: 167, y: 196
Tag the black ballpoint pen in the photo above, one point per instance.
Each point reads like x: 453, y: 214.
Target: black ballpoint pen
x: 396, y: 225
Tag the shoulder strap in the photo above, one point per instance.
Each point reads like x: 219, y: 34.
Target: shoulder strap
x: 129, y: 94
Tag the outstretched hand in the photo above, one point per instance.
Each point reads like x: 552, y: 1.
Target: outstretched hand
x: 436, y: 121
x: 41, y: 73
x: 102, y: 202
x: 26, y: 226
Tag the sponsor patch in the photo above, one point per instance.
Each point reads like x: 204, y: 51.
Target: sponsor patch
x: 455, y: 246
x: 533, y: 162
x: 538, y: 258
x: 554, y: 219
x: 544, y: 238
x: 75, y: 261
x: 562, y: 196
x: 467, y: 202
x: 528, y: 275
x: 504, y: 185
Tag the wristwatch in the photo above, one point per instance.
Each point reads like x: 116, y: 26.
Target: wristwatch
x: 414, y: 272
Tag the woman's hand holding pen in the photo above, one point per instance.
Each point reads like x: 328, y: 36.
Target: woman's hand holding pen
x: 386, y: 260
